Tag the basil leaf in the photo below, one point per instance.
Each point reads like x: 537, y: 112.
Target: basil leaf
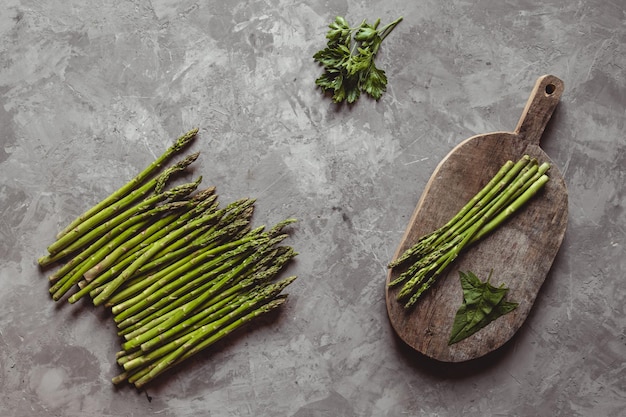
x: 482, y: 304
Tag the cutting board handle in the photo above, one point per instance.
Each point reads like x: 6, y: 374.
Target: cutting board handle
x: 539, y: 108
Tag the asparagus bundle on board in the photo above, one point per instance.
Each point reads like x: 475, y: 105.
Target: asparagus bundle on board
x: 177, y: 271
x: 512, y: 187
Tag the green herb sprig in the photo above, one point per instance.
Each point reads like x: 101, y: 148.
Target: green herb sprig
x: 482, y: 304
x: 348, y: 60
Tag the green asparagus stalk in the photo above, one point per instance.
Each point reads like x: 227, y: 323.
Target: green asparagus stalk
x: 213, y: 311
x: 206, y: 336
x: 176, y: 287
x: 207, y: 315
x: 89, y: 236
x: 111, y: 210
x: 206, y: 321
x: 108, y: 236
x: 149, y: 273
x: 221, y: 282
x: 214, y: 238
x: 186, y: 282
x: 64, y: 284
x: 156, y: 232
x: 206, y: 239
x: 502, y: 179
x: 138, y: 358
x: 198, y: 239
x: 177, y: 275
x: 258, y: 277
x: 205, y: 259
x: 226, y: 227
x: 516, y: 173
x: 205, y: 207
x: 192, y: 348
x: 513, y: 207
x: 133, y: 377
x: 180, y: 144
x: 112, y: 267
x: 145, y: 257
x: 201, y: 202
x: 426, y: 242
x: 177, y: 335
x: 408, y: 290
x: 143, y: 303
x: 203, y: 317
x: 148, y: 276
x: 455, y: 230
x: 113, y: 252
x: 164, y: 313
x: 509, y: 189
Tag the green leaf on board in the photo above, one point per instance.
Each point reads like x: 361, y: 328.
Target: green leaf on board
x: 482, y: 304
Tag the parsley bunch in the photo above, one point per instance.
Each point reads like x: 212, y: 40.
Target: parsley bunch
x: 348, y: 60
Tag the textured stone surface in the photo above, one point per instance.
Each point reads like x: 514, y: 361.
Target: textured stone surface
x: 92, y: 91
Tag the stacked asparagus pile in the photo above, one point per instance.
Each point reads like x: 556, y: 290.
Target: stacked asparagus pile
x: 177, y: 271
x: 512, y: 187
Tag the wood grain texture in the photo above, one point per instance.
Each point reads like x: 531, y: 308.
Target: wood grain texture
x: 520, y: 252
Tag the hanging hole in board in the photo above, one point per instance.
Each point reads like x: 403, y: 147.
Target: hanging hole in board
x: 550, y: 89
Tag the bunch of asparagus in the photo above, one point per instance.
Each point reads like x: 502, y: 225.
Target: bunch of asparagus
x: 177, y: 271
x: 512, y: 186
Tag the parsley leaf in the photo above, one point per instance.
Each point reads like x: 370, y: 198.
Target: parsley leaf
x: 348, y: 60
x: 482, y: 304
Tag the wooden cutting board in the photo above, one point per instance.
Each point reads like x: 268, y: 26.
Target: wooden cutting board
x: 520, y: 252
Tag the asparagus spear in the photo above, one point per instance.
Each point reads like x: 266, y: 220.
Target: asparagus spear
x: 111, y: 267
x: 201, y: 325
x: 155, y: 232
x: 152, y: 271
x: 145, y: 287
x: 426, y: 242
x: 227, y: 226
x: 204, y: 338
x: 409, y: 289
x: 164, y: 313
x: 120, y: 205
x: 145, y: 257
x: 178, y: 276
x: 208, y: 239
x: 513, y: 207
x: 138, y: 358
x: 205, y: 206
x: 221, y: 282
x: 180, y: 144
x: 174, y: 287
x: 143, y: 303
x: 203, y: 317
x: 258, y: 276
x: 193, y: 346
x: 146, y: 277
x: 108, y: 236
x: 509, y: 189
x: 87, y: 236
x: 113, y: 252
x: 64, y: 284
x: 451, y: 235
x: 213, y: 311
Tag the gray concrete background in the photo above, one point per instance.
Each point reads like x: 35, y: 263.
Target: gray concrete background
x: 92, y: 91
